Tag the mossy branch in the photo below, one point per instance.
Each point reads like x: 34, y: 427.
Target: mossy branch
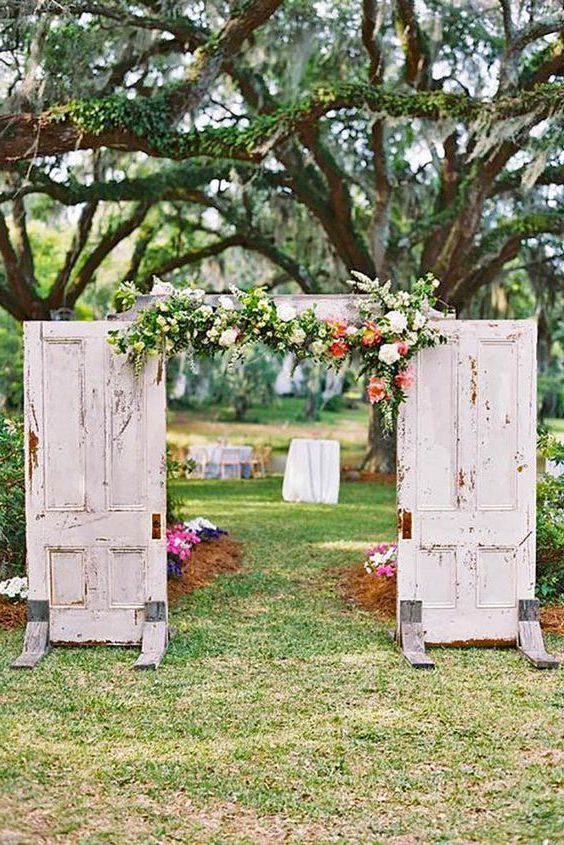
x: 149, y: 124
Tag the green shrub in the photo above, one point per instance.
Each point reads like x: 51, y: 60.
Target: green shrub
x: 12, y: 498
x: 550, y: 526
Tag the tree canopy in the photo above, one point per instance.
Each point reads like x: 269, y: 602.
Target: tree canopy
x: 394, y: 138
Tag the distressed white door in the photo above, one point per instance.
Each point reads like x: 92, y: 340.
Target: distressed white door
x: 466, y: 482
x: 96, y: 494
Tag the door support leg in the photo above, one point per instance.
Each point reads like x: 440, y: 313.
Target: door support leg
x: 411, y: 639
x: 155, y: 636
x: 529, y: 640
x: 36, y: 640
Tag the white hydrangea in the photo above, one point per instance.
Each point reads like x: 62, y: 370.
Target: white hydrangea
x: 317, y: 347
x: 14, y: 588
x: 197, y: 294
x: 286, y: 312
x: 397, y: 321
x: 297, y: 336
x: 388, y: 353
x: 226, y: 303
x: 161, y: 288
x: 419, y: 320
x: 206, y: 311
x: 228, y: 337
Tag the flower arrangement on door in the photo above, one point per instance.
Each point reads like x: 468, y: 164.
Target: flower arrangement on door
x: 390, y: 329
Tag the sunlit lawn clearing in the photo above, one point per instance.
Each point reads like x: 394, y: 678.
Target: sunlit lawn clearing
x: 280, y: 712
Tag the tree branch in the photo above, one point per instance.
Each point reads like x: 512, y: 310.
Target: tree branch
x: 144, y: 124
x: 418, y: 57
x: 56, y: 294
x: 107, y: 243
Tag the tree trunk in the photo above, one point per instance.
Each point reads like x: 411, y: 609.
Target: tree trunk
x: 381, y: 451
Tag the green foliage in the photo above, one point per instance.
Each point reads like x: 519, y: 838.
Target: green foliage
x: 550, y: 524
x: 11, y: 363
x: 550, y: 539
x: 249, y: 381
x: 12, y: 498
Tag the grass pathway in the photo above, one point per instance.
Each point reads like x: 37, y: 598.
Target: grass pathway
x: 280, y: 713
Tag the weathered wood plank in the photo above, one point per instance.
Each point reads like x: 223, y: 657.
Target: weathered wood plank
x: 411, y: 635
x: 155, y: 636
x: 530, y: 639
x: 36, y: 640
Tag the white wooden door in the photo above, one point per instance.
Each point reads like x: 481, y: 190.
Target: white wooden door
x: 466, y: 482
x: 96, y: 483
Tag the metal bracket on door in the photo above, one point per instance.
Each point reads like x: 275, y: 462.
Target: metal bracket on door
x: 36, y: 640
x: 529, y: 637
x: 155, y: 636
x: 411, y: 638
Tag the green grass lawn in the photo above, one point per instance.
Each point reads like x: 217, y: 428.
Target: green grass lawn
x: 280, y: 713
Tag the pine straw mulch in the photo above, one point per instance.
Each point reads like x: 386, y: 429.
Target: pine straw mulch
x: 12, y: 614
x: 210, y: 558
x: 378, y: 596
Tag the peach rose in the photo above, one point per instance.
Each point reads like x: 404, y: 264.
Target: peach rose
x: 376, y: 389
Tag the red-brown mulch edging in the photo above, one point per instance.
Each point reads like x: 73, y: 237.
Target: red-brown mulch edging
x: 369, y: 591
x: 208, y: 559
x: 377, y: 595
x: 12, y: 614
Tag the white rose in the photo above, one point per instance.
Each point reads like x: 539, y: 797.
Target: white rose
x: 286, y: 312
x: 161, y: 288
x: 206, y: 311
x: 317, y: 347
x: 226, y: 303
x: 228, y: 337
x: 397, y: 321
x: 197, y: 294
x: 298, y: 336
x: 351, y: 330
x: 419, y: 320
x: 388, y: 353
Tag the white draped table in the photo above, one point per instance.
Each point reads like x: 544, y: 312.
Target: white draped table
x: 312, y: 472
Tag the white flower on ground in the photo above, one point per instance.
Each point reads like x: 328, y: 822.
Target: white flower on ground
x: 199, y: 523
x: 161, y: 288
x: 297, y: 336
x: 388, y: 353
x: 226, y: 303
x: 228, y: 337
x: 397, y: 321
x: 14, y: 588
x: 286, y: 312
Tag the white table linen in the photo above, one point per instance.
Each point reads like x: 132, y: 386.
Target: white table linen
x: 312, y: 472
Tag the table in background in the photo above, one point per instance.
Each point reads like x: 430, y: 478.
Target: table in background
x: 213, y: 453
x: 312, y: 472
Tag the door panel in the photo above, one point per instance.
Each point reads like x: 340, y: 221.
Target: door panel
x: 96, y: 475
x: 466, y: 473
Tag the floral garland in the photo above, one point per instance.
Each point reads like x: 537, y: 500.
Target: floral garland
x: 392, y: 326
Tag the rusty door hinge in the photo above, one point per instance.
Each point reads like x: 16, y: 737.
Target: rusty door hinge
x: 156, y: 526
x: 404, y: 524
